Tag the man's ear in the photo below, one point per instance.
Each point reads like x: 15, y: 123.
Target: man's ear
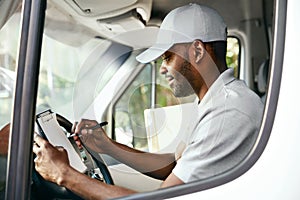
x: 199, y: 50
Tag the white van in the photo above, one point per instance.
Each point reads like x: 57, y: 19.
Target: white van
x: 76, y: 59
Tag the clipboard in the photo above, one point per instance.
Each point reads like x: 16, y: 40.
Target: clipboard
x: 49, y: 129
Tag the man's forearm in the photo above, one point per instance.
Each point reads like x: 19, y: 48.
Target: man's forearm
x: 89, y: 188
x: 155, y: 165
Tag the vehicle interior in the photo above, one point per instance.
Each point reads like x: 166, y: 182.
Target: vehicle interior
x: 88, y: 69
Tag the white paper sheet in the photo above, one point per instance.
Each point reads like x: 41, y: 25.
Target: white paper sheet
x: 57, y: 137
x: 166, y: 127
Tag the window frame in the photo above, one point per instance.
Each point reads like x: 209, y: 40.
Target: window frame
x: 20, y: 148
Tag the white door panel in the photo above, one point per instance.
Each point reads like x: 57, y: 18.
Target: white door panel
x: 129, y: 178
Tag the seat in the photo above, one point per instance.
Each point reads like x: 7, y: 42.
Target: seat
x: 262, y: 79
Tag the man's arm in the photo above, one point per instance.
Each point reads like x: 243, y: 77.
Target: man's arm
x: 155, y: 165
x: 89, y: 188
x: 53, y: 165
x: 158, y: 166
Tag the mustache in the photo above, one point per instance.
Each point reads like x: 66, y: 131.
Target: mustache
x: 167, y: 75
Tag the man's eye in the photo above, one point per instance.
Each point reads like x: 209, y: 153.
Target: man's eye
x: 166, y: 58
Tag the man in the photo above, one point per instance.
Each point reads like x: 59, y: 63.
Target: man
x: 192, y: 43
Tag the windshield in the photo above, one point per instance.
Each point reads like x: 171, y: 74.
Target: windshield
x: 64, y: 70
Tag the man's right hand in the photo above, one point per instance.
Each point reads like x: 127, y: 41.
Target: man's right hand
x: 95, y: 139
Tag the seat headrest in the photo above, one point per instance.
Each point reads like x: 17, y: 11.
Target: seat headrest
x: 263, y: 76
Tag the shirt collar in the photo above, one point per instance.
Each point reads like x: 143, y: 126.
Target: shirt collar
x: 224, y: 78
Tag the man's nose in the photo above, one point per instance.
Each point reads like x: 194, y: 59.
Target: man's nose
x: 163, y: 69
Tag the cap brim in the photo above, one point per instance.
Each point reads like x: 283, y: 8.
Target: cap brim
x: 153, y: 53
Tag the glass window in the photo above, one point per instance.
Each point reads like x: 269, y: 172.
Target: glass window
x: 63, y: 70
x: 232, y: 56
x: 9, y: 34
x: 8, y: 55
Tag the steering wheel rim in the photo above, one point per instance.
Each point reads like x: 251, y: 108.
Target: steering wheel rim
x: 41, y: 187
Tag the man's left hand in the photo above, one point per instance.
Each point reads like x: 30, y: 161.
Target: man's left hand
x: 51, y: 162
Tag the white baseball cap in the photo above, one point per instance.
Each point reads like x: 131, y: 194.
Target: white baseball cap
x: 186, y: 24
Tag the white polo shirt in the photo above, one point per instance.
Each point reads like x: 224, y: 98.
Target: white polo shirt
x: 223, y: 132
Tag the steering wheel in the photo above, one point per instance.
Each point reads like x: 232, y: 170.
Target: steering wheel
x: 48, y: 190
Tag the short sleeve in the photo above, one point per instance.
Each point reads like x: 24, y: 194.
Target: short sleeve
x: 222, y: 142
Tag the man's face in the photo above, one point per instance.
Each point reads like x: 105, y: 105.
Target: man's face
x: 177, y: 70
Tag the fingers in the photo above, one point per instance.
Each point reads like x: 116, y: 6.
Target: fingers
x: 74, y: 127
x: 60, y: 148
x: 86, y: 131
x: 84, y: 124
x: 80, y: 128
x: 89, y: 133
x: 40, y: 144
x: 76, y: 138
x: 38, y: 140
x: 35, y: 149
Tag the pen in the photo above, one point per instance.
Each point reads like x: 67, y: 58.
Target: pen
x: 93, y: 128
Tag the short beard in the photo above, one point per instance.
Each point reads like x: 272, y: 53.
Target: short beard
x: 182, y: 90
x: 182, y: 87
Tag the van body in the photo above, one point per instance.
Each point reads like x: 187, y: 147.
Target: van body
x: 77, y: 59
